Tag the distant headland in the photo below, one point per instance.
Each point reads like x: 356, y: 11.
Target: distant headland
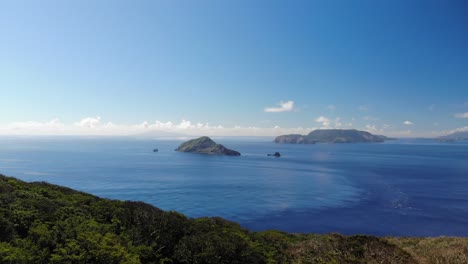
x: 331, y: 136
x: 457, y: 136
x: 206, y: 145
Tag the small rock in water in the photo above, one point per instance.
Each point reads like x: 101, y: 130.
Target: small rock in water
x: 277, y: 154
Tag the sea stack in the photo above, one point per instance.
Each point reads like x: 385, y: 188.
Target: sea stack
x: 276, y: 154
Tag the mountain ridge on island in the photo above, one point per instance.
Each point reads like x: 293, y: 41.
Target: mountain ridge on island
x: 456, y: 136
x: 205, y: 145
x: 331, y: 136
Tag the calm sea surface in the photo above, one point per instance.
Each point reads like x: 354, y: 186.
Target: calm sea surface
x: 410, y: 187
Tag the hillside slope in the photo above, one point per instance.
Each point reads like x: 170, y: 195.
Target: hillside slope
x: 45, y: 223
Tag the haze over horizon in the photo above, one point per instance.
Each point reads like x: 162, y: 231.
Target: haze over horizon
x: 259, y: 68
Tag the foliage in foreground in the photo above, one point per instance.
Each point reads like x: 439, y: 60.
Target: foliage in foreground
x: 434, y: 250
x: 45, y: 223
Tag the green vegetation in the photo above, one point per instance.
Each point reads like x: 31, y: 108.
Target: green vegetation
x: 293, y: 139
x: 331, y: 136
x: 45, y: 223
x: 206, y: 145
x: 434, y: 250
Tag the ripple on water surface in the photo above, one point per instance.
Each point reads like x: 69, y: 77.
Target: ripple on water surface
x: 396, y: 188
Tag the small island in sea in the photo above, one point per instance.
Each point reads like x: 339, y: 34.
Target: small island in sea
x: 206, y: 145
x: 331, y: 136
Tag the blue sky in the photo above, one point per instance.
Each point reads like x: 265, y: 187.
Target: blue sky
x: 119, y: 67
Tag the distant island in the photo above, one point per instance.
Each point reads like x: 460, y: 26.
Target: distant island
x: 206, y: 145
x: 331, y: 136
x: 457, y: 136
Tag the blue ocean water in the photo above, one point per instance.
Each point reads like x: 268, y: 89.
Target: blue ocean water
x: 409, y: 187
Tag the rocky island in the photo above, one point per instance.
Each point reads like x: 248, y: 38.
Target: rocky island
x: 331, y: 136
x: 276, y: 154
x: 206, y: 145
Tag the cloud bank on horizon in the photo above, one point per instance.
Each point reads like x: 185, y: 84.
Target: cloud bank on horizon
x: 94, y: 126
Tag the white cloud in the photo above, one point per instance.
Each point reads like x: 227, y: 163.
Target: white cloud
x: 408, y: 123
x: 370, y: 118
x: 325, y: 121
x: 283, y: 107
x: 363, y: 108
x: 34, y: 125
x: 89, y: 122
x: 184, y: 124
x: 330, y: 123
x: 331, y: 107
x: 371, y: 128
x: 161, y: 125
x: 461, y: 115
x: 338, y: 122
x: 375, y: 129
x: 460, y: 129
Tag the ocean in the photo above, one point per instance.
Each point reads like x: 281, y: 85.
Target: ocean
x: 406, y: 187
